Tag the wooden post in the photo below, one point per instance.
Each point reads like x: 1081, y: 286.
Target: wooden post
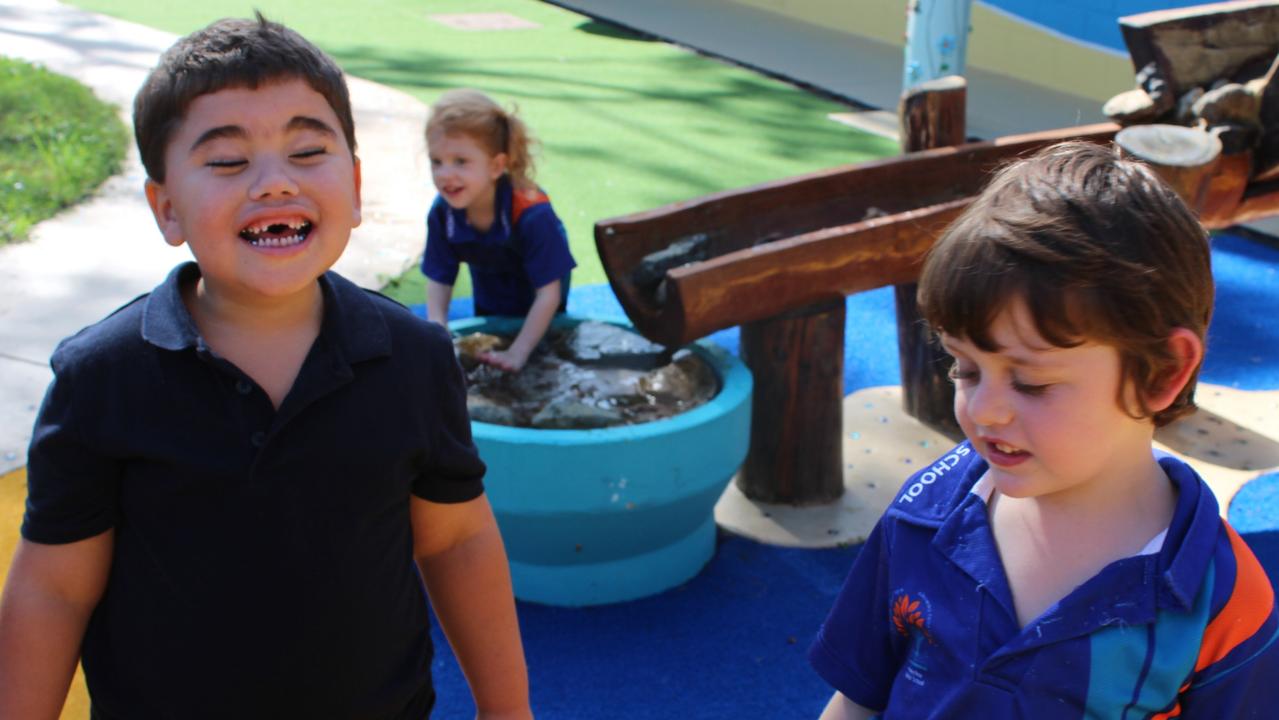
x: 932, y: 115
x: 796, y: 450
x: 1185, y: 158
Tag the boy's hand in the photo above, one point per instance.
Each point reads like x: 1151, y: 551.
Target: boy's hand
x: 508, y: 360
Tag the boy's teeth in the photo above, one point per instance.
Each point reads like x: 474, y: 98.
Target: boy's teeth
x: 1005, y: 448
x: 274, y: 234
x: 275, y: 227
x: 277, y: 241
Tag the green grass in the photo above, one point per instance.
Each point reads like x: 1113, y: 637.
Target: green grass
x: 57, y: 143
x: 626, y: 124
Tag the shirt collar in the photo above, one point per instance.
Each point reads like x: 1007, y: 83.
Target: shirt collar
x: 165, y: 320
x: 352, y: 321
x: 1192, y: 535
x: 1180, y: 564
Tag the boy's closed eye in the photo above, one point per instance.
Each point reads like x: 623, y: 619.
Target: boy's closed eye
x: 961, y: 375
x: 226, y: 163
x: 310, y: 153
x: 966, y: 375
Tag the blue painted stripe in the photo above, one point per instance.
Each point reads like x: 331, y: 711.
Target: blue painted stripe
x: 1131, y: 668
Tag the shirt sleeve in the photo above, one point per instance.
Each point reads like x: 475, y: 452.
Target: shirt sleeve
x: 1246, y: 686
x: 1237, y: 673
x: 854, y: 650
x: 453, y: 472
x: 71, y: 484
x: 544, y: 244
x: 439, y: 262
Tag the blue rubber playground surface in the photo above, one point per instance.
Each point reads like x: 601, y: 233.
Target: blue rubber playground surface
x: 732, y: 641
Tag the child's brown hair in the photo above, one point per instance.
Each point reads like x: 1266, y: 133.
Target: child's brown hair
x: 230, y: 53
x: 1098, y: 247
x: 476, y: 115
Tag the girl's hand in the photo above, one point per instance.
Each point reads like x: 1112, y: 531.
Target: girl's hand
x: 507, y: 360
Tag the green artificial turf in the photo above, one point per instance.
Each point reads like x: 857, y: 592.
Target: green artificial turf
x: 626, y: 124
x: 58, y: 142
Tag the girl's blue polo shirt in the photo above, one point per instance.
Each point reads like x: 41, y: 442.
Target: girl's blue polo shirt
x: 925, y: 628
x: 525, y: 248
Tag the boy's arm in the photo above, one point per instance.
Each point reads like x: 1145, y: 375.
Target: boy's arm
x: 438, y: 296
x: 460, y: 552
x: 48, y: 598
x: 841, y: 708
x: 545, y: 303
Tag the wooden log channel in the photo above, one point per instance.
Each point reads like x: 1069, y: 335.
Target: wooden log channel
x: 783, y: 245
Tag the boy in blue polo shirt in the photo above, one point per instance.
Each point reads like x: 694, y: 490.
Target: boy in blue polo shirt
x: 239, y: 482
x: 491, y: 215
x: 1053, y: 566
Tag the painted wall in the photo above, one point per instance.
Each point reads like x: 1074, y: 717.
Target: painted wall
x: 1091, y: 21
x: 1022, y: 77
x: 1071, y: 45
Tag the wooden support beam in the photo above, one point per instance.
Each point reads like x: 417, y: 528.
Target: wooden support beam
x: 797, y: 418
x: 932, y: 115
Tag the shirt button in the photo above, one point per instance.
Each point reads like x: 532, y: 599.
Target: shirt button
x: 244, y: 387
x: 258, y: 439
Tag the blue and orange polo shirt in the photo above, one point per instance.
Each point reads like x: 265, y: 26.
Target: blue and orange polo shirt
x: 524, y: 249
x: 924, y: 626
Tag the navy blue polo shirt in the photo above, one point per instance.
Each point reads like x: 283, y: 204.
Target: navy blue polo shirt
x: 263, y: 562
x: 925, y: 626
x: 524, y: 249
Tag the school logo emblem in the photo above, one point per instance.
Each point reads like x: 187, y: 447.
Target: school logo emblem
x: 912, y: 616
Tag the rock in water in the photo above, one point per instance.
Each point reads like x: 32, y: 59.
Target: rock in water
x: 686, y: 381
x: 567, y: 415
x: 485, y: 410
x: 597, y: 343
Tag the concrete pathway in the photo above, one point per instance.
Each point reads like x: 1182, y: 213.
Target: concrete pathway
x: 90, y: 259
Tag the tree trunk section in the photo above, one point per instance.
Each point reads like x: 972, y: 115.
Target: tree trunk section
x: 796, y: 451
x: 1185, y: 158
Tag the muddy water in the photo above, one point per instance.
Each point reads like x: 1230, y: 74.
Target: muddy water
x: 578, y: 379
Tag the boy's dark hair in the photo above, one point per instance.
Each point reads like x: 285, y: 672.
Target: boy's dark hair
x: 1098, y: 247
x: 229, y: 53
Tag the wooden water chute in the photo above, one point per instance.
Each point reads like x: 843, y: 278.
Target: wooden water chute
x: 778, y: 259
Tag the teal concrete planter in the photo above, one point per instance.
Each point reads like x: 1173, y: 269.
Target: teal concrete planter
x: 613, y: 514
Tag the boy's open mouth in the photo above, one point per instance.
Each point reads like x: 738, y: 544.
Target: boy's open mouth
x: 277, y: 234
x: 999, y: 453
x: 1007, y: 449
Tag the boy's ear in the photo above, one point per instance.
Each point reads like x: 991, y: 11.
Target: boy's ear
x: 357, y: 213
x: 162, y: 208
x: 497, y: 165
x: 1188, y: 352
